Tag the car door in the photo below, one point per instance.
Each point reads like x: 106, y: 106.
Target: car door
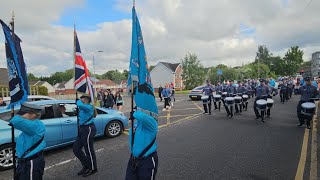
x: 53, y: 135
x: 69, y: 123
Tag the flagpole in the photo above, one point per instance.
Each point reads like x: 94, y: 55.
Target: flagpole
x: 12, y: 110
x: 74, y: 62
x: 131, y: 114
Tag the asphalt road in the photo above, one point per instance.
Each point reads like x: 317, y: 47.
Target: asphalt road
x: 196, y: 146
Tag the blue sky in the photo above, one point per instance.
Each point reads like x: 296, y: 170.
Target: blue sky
x: 92, y: 13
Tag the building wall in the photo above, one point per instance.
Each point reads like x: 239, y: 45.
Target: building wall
x: 315, y: 64
x: 161, y: 75
x: 178, y: 83
x: 69, y: 84
x: 50, y: 88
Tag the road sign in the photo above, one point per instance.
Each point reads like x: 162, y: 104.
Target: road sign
x: 219, y: 72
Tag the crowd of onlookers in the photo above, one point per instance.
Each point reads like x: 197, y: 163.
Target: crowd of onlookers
x: 108, y: 99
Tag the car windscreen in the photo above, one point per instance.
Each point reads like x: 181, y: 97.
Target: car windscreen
x: 6, y: 116
x: 199, y: 88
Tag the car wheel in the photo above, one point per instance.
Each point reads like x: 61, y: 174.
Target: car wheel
x: 113, y: 129
x: 6, y: 158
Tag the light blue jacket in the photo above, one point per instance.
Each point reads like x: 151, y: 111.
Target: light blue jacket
x: 32, y: 132
x: 85, y: 112
x: 146, y: 128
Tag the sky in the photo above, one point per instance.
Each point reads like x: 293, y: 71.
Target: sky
x: 218, y: 31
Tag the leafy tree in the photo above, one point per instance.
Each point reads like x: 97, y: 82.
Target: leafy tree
x: 43, y: 91
x: 125, y: 74
x: 262, y: 55
x: 114, y: 75
x: 193, y: 71
x: 293, y: 60
x: 151, y: 67
x: 32, y: 77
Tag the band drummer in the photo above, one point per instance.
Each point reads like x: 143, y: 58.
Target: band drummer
x: 207, y: 90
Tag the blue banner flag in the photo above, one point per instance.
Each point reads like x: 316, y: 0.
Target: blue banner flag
x: 18, y: 79
x: 139, y: 74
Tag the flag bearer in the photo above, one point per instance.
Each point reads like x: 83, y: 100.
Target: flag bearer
x: 87, y: 131
x: 30, y: 143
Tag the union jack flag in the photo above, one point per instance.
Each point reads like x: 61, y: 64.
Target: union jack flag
x: 82, y: 82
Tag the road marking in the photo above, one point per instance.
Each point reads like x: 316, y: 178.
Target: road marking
x: 197, y: 106
x: 303, y: 156
x: 178, y: 115
x: 314, y: 160
x: 168, y: 117
x: 59, y: 164
x: 184, y: 109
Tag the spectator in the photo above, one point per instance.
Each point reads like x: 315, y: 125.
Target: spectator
x: 160, y: 92
x: 119, y: 101
x: 2, y: 103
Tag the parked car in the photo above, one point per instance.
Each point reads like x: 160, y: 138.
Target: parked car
x: 60, y: 131
x: 196, y: 93
x: 30, y: 98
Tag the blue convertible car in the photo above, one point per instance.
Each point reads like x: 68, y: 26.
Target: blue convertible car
x: 59, y: 117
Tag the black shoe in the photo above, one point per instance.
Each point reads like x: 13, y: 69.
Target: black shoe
x: 257, y: 117
x: 262, y: 120
x: 228, y: 115
x: 300, y: 125
x: 308, y: 127
x: 231, y: 115
x: 83, y: 170
x: 209, y: 113
x: 88, y: 172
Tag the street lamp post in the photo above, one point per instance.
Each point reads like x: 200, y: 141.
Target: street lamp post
x: 94, y: 71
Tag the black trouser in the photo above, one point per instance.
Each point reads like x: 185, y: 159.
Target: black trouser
x: 30, y: 168
x: 215, y: 105
x: 256, y: 110
x: 229, y: 112
x: 85, y: 140
x: 301, y: 116
x: 160, y: 96
x: 237, y: 107
x: 207, y: 105
x: 142, y: 169
x: 290, y: 92
x: 282, y: 97
x: 166, y: 102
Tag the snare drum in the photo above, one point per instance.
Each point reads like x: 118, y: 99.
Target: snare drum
x: 237, y: 99
x: 308, y: 108
x: 270, y: 103
x: 245, y: 98
x: 232, y: 95
x: 205, y: 99
x: 261, y: 104
x: 224, y: 95
x: 239, y: 94
x: 217, y: 98
x: 229, y: 101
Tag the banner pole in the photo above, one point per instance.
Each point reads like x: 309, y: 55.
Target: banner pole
x: 12, y: 111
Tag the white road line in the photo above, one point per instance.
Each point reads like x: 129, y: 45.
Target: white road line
x: 67, y: 161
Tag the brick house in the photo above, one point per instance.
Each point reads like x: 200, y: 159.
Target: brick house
x: 166, y: 73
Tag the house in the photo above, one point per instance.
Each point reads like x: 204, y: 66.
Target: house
x: 166, y: 73
x: 106, y: 84
x: 51, y: 89
x: 4, y: 77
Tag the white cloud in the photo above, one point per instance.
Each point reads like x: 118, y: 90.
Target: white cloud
x: 171, y: 28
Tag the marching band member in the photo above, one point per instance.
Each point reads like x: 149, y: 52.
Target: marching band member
x: 207, y: 90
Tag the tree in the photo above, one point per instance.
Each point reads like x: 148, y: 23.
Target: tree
x: 43, y: 91
x: 262, y: 55
x: 151, y: 67
x: 193, y: 71
x: 114, y: 75
x: 32, y: 77
x: 125, y: 74
x: 293, y: 60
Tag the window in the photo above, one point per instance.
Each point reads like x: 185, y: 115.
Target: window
x: 71, y: 109
x: 101, y: 112
x: 48, y: 112
x: 6, y: 116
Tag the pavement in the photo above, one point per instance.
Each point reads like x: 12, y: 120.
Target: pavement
x: 196, y: 146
